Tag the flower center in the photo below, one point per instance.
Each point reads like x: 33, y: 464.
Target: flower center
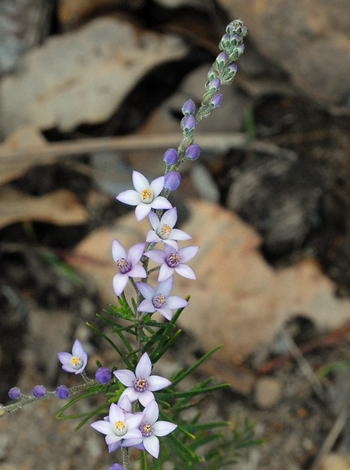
x: 146, y: 430
x: 173, y: 260
x: 140, y: 385
x: 124, y: 265
x: 146, y: 196
x: 164, y: 231
x: 119, y: 428
x: 76, y: 362
x: 158, y: 301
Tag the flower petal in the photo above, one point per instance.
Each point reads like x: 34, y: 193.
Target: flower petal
x: 130, y: 197
x: 102, y: 426
x: 125, y: 404
x: 185, y: 271
x: 177, y: 234
x: 118, y: 251
x: 152, y: 445
x: 112, y: 439
x: 152, y: 237
x: 119, y: 283
x: 134, y: 421
x: 77, y: 349
x: 156, y: 255
x: 166, y: 312
x: 115, y: 414
x: 146, y: 290
x: 154, y: 220
x: 146, y: 306
x: 135, y: 252
x: 139, y: 181
x: 114, y: 446
x: 165, y: 287
x: 64, y: 358
x: 137, y: 271
x: 155, y: 382
x: 132, y: 442
x: 171, y: 242
x: 126, y: 377
x: 131, y: 393
x: 176, y: 302
x: 165, y: 272
x: 142, y: 210
x: 163, y: 428
x: 169, y: 217
x: 157, y: 185
x: 151, y: 412
x: 144, y: 367
x: 188, y: 253
x: 160, y: 202
x: 146, y: 397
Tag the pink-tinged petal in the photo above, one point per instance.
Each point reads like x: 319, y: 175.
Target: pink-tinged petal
x: 133, y: 422
x: 137, y: 271
x: 146, y: 290
x: 165, y: 287
x: 142, y: 210
x: 177, y: 234
x: 157, y: 185
x: 64, y: 358
x: 114, y: 446
x: 130, y: 197
x: 166, y: 312
x: 152, y: 237
x: 165, y: 272
x: 146, y: 306
x: 146, y: 397
x: 171, y: 243
x: 151, y: 444
x: 112, y: 439
x: 185, y: 271
x: 139, y: 181
x: 102, y: 426
x: 133, y: 434
x: 144, y: 367
x: 132, y: 442
x: 155, y: 382
x: 115, y: 414
x: 188, y: 253
x: 135, y: 252
x: 151, y: 412
x: 156, y: 255
x: 154, y: 220
x: 118, y: 251
x: 131, y: 393
x: 160, y: 202
x: 169, y: 217
x: 119, y: 283
x: 176, y: 302
x: 77, y: 349
x: 69, y: 368
x: 163, y: 428
x: 125, y: 404
x: 126, y: 377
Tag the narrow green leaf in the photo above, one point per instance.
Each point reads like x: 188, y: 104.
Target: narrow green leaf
x: 71, y: 402
x: 202, y: 426
x: 143, y: 460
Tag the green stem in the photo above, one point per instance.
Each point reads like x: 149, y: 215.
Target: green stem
x: 126, y: 460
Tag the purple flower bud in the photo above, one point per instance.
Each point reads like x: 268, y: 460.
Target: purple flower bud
x: 103, y: 375
x: 194, y: 150
x: 116, y: 466
x: 14, y: 393
x: 214, y: 85
x: 188, y: 108
x: 171, y: 156
x: 62, y: 392
x: 240, y: 48
x: 232, y: 68
x: 172, y: 180
x: 189, y: 123
x: 221, y: 58
x: 211, y: 75
x: 39, y: 391
x: 216, y: 101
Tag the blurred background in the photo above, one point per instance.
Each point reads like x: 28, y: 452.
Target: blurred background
x: 92, y: 89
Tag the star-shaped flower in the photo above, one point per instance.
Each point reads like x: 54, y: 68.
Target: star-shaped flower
x: 151, y: 428
x: 142, y: 383
x: 75, y: 362
x: 159, y: 299
x: 119, y: 426
x: 172, y: 260
x: 127, y: 264
x: 163, y: 230
x: 145, y: 196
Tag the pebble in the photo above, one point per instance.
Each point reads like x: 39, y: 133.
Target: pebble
x: 267, y: 392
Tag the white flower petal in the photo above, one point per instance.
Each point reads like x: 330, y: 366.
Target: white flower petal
x: 77, y: 349
x: 126, y: 377
x: 118, y: 251
x: 176, y: 302
x: 156, y: 255
x: 151, y: 412
x: 169, y: 217
x: 119, y: 283
x: 152, y: 237
x: 160, y: 202
x: 152, y: 445
x: 157, y: 185
x: 153, y: 218
x: 115, y: 414
x: 146, y: 397
x: 144, y: 367
x: 185, y: 271
x: 137, y: 271
x: 130, y: 197
x: 102, y: 426
x: 142, y: 210
x: 146, y: 290
x: 135, y: 252
x: 140, y: 182
x: 171, y: 243
x: 163, y: 428
x: 177, y: 234
x: 187, y: 253
x: 166, y: 312
x: 165, y: 272
x: 165, y: 287
x: 146, y: 306
x: 155, y: 382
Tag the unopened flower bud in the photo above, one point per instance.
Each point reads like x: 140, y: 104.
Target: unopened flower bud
x: 14, y: 393
x: 216, y: 101
x: 39, y: 391
x: 172, y: 180
x: 62, y: 392
x: 171, y: 156
x: 103, y: 375
x: 193, y: 151
x: 116, y: 466
x: 214, y: 85
x: 189, y: 123
x: 241, y: 48
x: 188, y: 108
x: 211, y: 75
x: 221, y: 58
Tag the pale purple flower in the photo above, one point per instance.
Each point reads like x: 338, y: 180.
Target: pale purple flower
x: 127, y: 264
x: 159, y: 299
x: 151, y: 429
x: 163, y: 229
x: 75, y: 362
x: 172, y: 260
x: 119, y: 426
x: 141, y: 384
x: 145, y: 196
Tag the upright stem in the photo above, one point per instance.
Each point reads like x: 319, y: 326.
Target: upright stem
x: 126, y: 461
